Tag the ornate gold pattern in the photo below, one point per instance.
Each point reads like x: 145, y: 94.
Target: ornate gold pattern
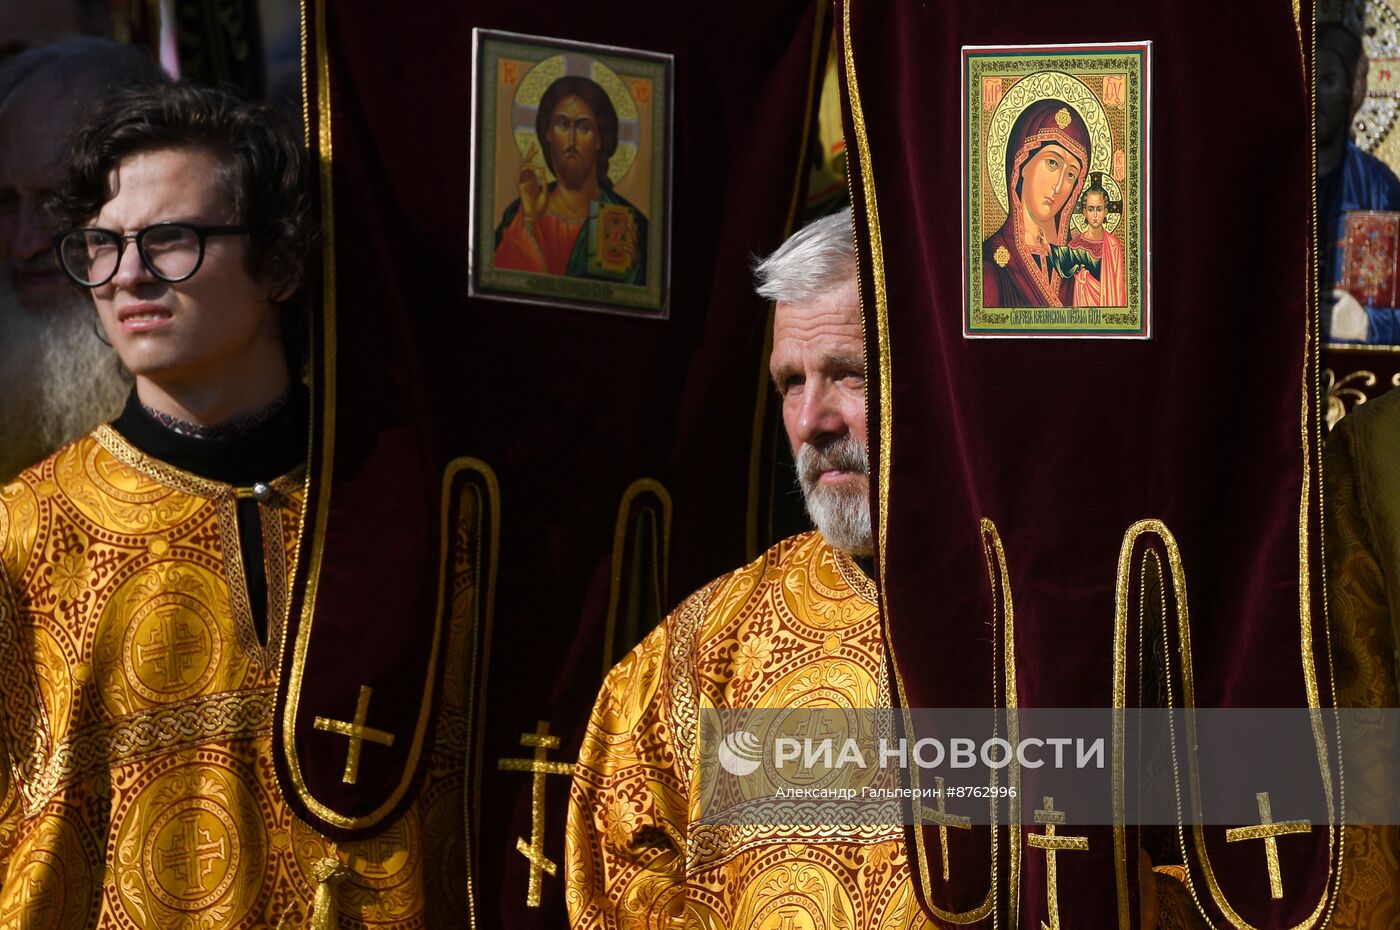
x: 1339, y: 391
x: 1349, y: 348
x: 854, y: 577
x: 1001, y: 256
x: 53, y: 879
x: 540, y: 767
x: 163, y: 474
x: 134, y: 737
x: 635, y: 851
x: 1361, y: 545
x: 1268, y: 831
x: 268, y: 654
x: 138, y: 723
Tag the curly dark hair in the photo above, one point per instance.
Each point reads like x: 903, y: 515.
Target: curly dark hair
x: 591, y: 93
x: 265, y: 171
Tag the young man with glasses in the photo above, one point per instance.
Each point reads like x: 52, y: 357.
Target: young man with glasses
x: 144, y: 569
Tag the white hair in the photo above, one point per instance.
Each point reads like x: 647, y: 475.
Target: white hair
x: 60, y: 380
x: 815, y: 260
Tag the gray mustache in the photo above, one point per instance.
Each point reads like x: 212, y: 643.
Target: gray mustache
x: 844, y: 454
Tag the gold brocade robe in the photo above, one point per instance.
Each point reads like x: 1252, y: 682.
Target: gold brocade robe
x: 137, y: 708
x: 1362, y: 495
x: 797, y: 628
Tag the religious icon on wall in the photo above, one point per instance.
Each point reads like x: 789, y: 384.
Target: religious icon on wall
x: 1055, y: 167
x: 571, y: 157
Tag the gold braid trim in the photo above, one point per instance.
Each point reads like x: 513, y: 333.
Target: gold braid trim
x: 235, y: 715
x: 156, y: 470
x: 859, y: 581
x: 175, y: 478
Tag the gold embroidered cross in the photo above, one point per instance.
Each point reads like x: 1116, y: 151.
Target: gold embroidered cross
x: 192, y: 852
x: 1053, y: 844
x: 825, y: 731
x: 172, y: 648
x: 358, y: 733
x: 33, y: 901
x: 1269, y: 832
x: 540, y: 767
x: 940, y: 816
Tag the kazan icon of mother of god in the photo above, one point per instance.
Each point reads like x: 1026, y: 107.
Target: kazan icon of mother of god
x: 1028, y: 261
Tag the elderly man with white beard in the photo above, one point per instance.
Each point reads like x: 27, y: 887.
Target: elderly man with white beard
x: 59, y: 379
x: 798, y: 627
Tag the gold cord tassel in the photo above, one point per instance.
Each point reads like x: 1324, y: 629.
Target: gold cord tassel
x: 329, y: 872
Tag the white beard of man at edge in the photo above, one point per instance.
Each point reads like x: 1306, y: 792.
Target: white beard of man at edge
x: 57, y: 379
x: 842, y: 511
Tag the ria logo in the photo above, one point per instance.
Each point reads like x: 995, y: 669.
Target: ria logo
x: 739, y: 753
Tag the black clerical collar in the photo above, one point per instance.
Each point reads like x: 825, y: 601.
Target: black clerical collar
x: 265, y: 451
x: 236, y: 428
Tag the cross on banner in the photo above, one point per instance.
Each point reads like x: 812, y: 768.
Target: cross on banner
x: 940, y: 816
x: 540, y: 767
x: 1269, y: 832
x: 358, y: 733
x: 1053, y: 844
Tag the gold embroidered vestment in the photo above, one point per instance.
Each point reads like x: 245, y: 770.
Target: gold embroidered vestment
x: 137, y: 705
x: 797, y: 628
x: 1362, y: 494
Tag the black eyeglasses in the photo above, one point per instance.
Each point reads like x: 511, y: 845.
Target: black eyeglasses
x: 170, y: 251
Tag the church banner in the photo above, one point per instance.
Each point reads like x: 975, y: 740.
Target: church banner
x: 590, y: 468
x: 1101, y: 523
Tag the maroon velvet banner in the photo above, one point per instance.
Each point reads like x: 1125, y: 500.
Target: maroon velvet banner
x: 621, y: 446
x: 1103, y: 522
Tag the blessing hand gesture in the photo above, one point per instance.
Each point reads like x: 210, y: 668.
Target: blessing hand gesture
x: 529, y: 181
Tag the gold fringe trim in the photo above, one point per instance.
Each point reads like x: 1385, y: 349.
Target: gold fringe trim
x: 325, y: 911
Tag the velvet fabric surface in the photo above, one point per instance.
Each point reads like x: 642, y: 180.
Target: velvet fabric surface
x: 570, y: 409
x: 1015, y: 472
